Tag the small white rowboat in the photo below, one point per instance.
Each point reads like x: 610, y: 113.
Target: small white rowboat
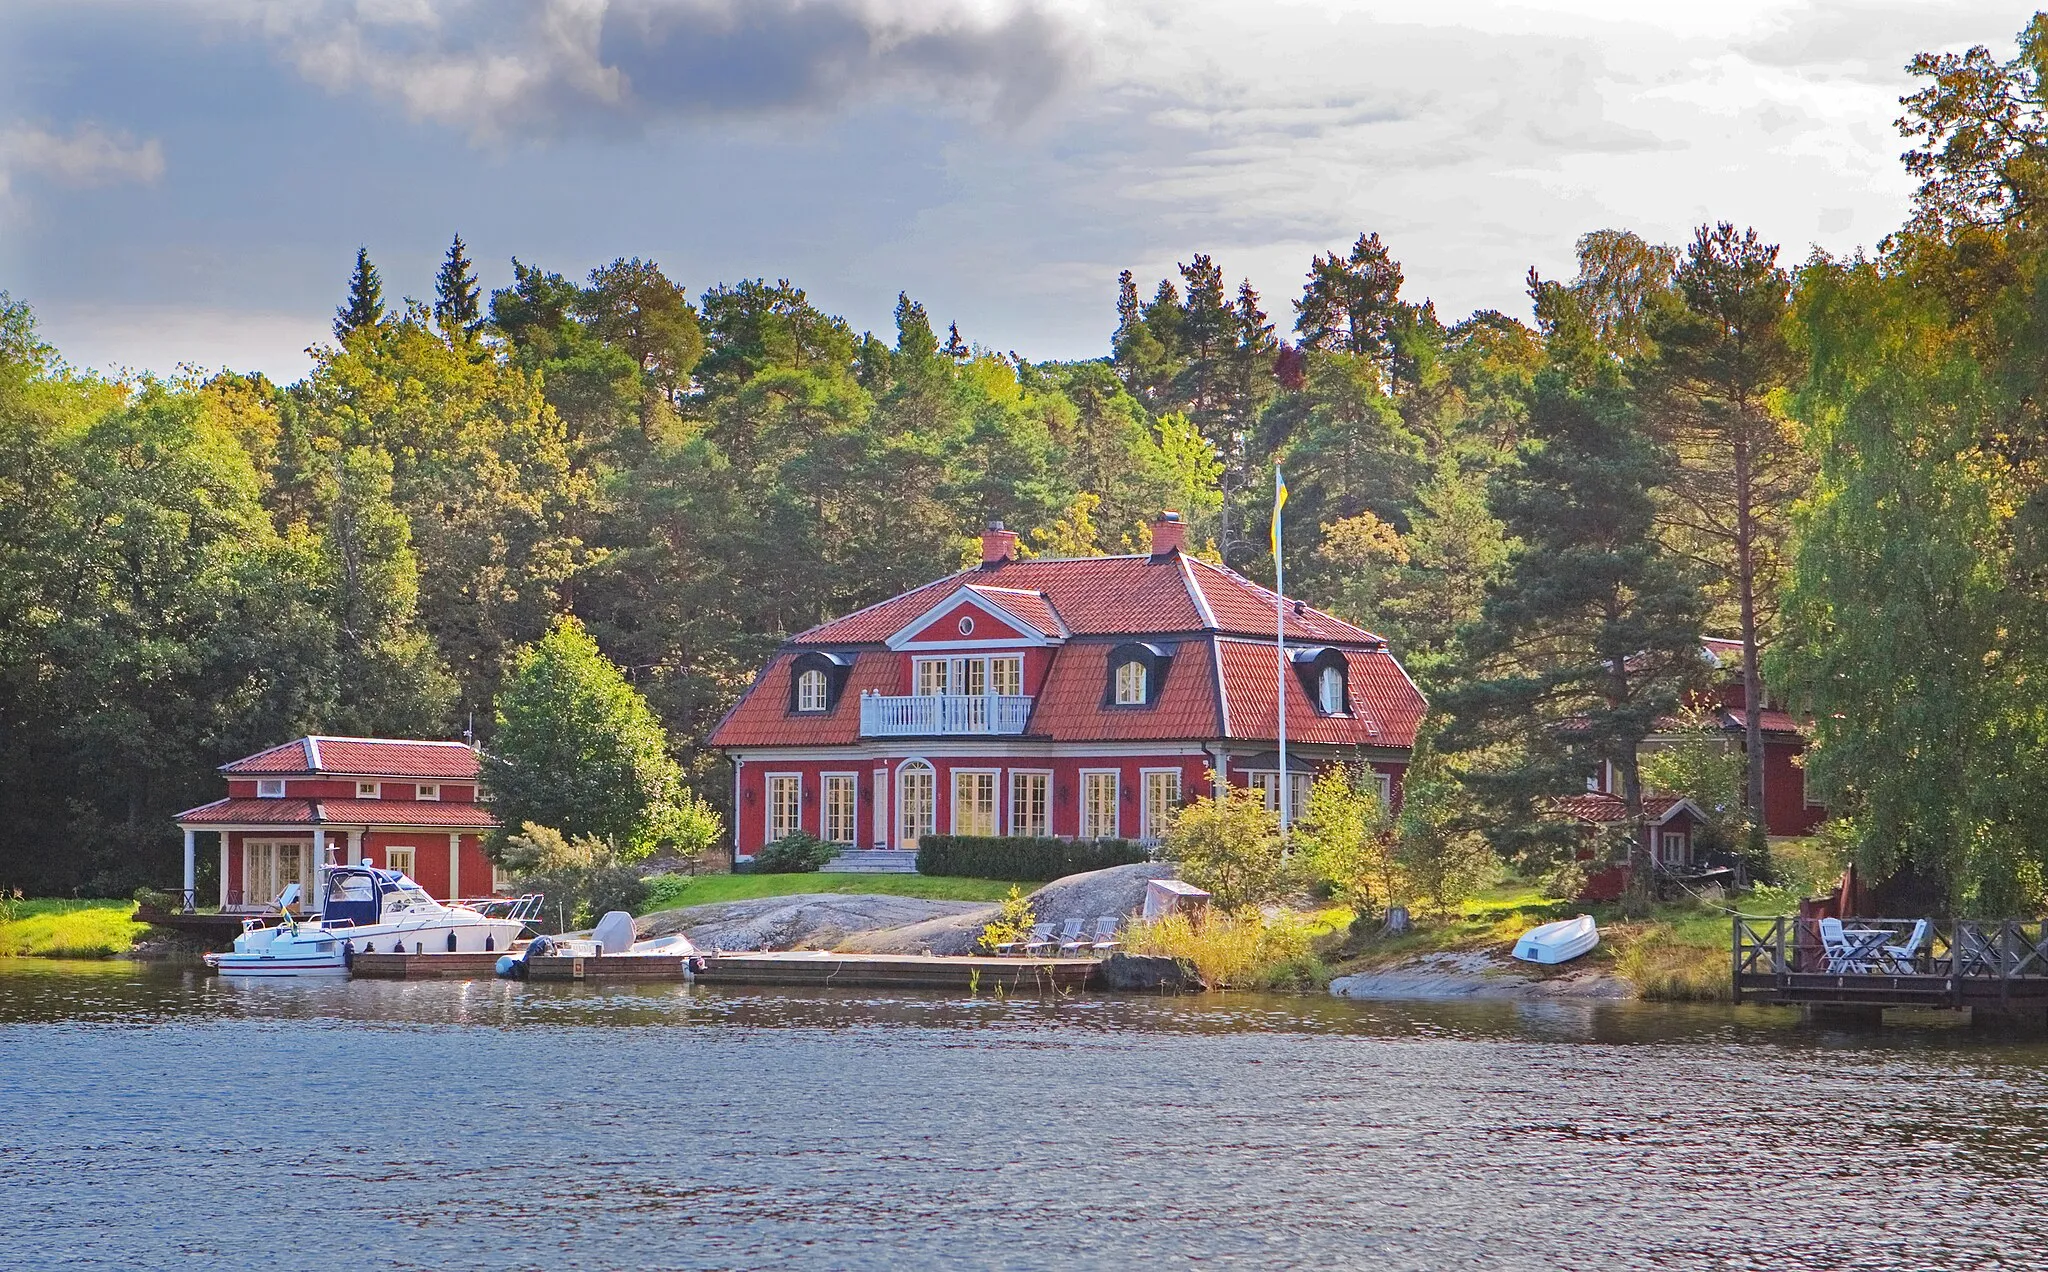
x: 1559, y: 942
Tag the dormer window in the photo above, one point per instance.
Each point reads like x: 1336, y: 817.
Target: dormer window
x: 1130, y: 684
x: 269, y: 788
x: 369, y: 790
x: 812, y: 689
x: 427, y: 791
x: 1330, y: 691
x: 1137, y: 672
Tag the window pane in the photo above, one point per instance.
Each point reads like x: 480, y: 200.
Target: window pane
x: 1028, y: 804
x: 974, y: 803
x: 1098, y: 805
x: 1130, y: 684
x: 1162, y: 800
x: 974, y: 674
x: 839, y: 810
x: 810, y: 691
x: 785, y: 806
x: 931, y: 676
x: 1008, y: 674
x: 918, y: 800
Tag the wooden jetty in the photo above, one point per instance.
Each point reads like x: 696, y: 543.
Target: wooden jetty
x: 1998, y: 969
x: 793, y: 968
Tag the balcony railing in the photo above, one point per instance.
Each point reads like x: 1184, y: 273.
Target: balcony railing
x: 928, y: 715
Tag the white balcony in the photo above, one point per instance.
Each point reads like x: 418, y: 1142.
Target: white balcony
x: 934, y: 715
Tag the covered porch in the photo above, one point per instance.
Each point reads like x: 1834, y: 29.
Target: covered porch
x: 259, y: 860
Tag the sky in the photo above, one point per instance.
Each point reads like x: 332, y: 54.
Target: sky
x: 185, y: 182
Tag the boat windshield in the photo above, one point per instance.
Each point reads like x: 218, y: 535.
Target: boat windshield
x: 351, y: 897
x: 401, y: 893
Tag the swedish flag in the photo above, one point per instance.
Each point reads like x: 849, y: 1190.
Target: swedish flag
x: 1279, y: 502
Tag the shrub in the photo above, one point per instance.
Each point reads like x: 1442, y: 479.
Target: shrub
x: 1022, y: 857
x: 799, y: 853
x: 1230, y: 847
x: 1013, y: 923
x: 581, y: 878
x: 1346, y: 843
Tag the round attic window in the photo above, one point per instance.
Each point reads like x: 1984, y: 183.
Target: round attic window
x: 966, y: 626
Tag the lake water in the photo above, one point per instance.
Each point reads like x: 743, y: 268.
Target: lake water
x: 158, y: 1117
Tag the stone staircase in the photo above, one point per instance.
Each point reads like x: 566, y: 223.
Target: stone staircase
x: 874, y: 861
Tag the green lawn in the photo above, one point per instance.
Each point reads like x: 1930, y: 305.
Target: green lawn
x: 669, y: 892
x: 68, y: 929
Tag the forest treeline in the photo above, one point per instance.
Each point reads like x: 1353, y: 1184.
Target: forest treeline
x: 1837, y: 460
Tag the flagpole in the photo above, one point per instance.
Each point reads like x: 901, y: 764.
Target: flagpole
x: 1280, y: 649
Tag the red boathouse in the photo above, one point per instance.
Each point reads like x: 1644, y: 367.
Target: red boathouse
x: 406, y: 805
x: 1086, y: 697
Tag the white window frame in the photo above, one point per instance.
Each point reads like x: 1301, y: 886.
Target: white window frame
x: 1268, y: 782
x: 1088, y: 826
x: 1671, y: 847
x: 274, y: 853
x: 932, y: 677
x: 828, y: 784
x: 995, y: 800
x: 771, y: 806
x: 501, y: 882
x: 1330, y: 690
x: 1151, y: 820
x: 369, y: 790
x: 427, y: 792
x: 412, y: 859
x: 1385, y: 781
x: 1131, y: 690
x: 813, y: 690
x: 269, y: 788
x: 909, y: 831
x: 1006, y: 675
x: 1044, y: 802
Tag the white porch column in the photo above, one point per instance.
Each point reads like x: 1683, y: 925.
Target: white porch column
x: 355, y: 847
x: 223, y: 870
x: 189, y: 900
x: 454, y: 866
x: 306, y: 892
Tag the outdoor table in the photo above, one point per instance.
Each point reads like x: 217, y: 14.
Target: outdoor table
x: 1866, y: 946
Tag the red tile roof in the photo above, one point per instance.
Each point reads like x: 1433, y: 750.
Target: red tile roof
x: 1772, y: 721
x: 1386, y: 708
x: 1135, y: 597
x: 762, y: 717
x: 1600, y: 808
x: 337, y: 812
x: 1030, y: 608
x: 1071, y: 709
x: 362, y: 757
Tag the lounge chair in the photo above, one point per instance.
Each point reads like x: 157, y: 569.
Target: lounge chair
x: 1105, y: 934
x: 1070, y: 936
x: 1903, y: 958
x: 1041, y: 938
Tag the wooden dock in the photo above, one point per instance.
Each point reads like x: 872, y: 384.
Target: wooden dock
x: 796, y: 968
x: 1998, y: 969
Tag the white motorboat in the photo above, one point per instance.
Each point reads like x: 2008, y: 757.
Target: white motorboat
x: 372, y: 911
x: 612, y: 937
x: 1558, y: 942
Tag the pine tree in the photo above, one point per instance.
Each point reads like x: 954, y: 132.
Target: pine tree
x: 1592, y: 634
x: 458, y: 301
x: 365, y: 307
x: 956, y: 348
x: 1349, y: 303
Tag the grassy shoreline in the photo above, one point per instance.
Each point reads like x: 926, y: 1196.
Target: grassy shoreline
x: 672, y: 892
x: 100, y: 928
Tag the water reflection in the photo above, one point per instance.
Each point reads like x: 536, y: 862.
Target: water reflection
x: 160, y: 1116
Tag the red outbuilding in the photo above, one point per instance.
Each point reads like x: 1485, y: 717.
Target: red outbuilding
x: 1084, y: 697
x: 405, y: 805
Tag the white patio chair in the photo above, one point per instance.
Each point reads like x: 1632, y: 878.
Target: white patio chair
x: 1842, y: 953
x: 1903, y: 957
x: 1105, y: 934
x: 1070, y: 936
x: 1041, y: 938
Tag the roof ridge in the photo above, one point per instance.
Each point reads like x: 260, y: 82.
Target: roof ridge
x: 340, y: 737
x: 887, y: 600
x: 1195, y: 593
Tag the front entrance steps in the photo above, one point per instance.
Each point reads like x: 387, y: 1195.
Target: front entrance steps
x: 872, y: 861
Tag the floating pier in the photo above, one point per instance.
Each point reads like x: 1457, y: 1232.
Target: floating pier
x: 793, y: 968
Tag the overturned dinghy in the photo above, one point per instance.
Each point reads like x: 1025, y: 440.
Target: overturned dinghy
x: 1559, y: 942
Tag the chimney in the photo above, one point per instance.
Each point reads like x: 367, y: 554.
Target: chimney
x: 997, y: 544
x: 1169, y: 534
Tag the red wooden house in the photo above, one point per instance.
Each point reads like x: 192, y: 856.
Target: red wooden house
x: 1086, y: 697
x: 405, y: 805
x: 1787, y: 810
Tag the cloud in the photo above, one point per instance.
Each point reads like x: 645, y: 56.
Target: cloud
x: 499, y: 68
x: 88, y: 156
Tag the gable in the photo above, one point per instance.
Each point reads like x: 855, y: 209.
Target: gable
x: 962, y: 623
x: 977, y: 618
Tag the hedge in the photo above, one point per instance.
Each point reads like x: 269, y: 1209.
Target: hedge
x: 1022, y: 857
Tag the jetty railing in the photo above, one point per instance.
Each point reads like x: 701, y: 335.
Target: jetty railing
x: 1782, y: 957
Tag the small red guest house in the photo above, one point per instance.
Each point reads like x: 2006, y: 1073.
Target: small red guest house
x: 1087, y: 697
x: 403, y: 804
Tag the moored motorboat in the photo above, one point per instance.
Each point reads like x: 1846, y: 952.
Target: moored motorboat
x: 1558, y: 942
x: 371, y: 911
x: 612, y: 938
